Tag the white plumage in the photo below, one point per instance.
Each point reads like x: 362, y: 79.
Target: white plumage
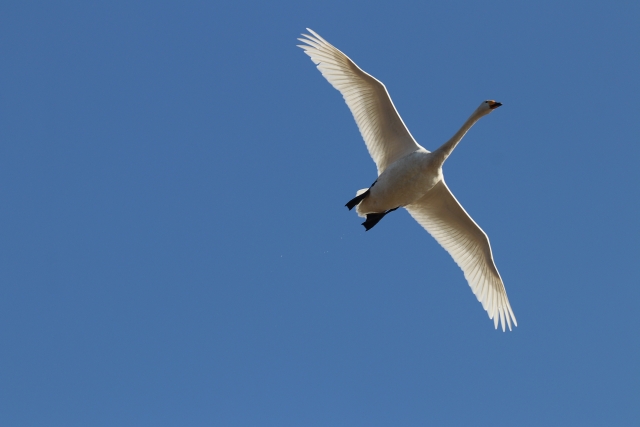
x: 384, y: 132
x: 410, y: 176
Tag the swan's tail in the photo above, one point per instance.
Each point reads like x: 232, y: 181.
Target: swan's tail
x: 360, y: 196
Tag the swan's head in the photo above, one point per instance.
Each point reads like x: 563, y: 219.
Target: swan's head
x: 488, y: 106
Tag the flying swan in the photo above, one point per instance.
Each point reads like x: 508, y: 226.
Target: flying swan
x: 410, y: 176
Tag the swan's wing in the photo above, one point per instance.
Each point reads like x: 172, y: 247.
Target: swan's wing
x: 384, y: 132
x: 445, y: 219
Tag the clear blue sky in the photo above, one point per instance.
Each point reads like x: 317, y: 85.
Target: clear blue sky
x: 175, y: 250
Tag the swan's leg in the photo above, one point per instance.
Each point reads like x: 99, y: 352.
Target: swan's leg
x: 374, y: 218
x: 360, y: 197
x: 354, y: 202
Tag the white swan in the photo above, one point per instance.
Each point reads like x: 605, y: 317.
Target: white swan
x: 411, y: 177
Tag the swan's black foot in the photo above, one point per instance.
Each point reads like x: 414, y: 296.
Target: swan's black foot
x: 354, y: 202
x: 374, y: 218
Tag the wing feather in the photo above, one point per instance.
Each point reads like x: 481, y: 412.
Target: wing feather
x: 443, y: 217
x: 385, y: 134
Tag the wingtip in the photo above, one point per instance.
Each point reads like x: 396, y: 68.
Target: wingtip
x: 307, y: 35
x: 317, y: 36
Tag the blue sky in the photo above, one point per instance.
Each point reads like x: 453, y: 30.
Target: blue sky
x: 175, y: 250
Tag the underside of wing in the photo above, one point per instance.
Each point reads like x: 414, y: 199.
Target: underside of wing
x: 381, y: 127
x: 443, y: 217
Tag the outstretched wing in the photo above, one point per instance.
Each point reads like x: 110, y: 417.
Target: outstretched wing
x: 445, y: 219
x: 381, y: 127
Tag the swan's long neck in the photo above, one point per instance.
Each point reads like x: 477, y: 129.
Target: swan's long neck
x: 445, y: 149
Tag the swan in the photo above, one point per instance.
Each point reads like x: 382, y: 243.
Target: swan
x: 410, y: 176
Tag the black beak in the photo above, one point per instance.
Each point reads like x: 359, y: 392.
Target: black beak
x: 495, y: 105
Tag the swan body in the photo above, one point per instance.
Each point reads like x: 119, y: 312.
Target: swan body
x: 402, y: 183
x: 410, y: 176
